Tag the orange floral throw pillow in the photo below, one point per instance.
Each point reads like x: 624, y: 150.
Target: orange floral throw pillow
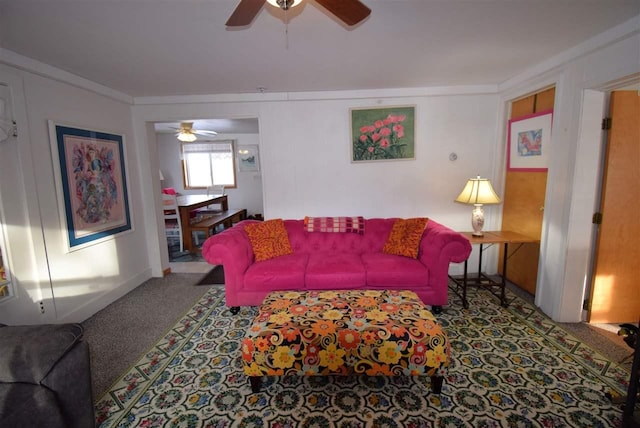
x: 404, y: 239
x: 269, y: 239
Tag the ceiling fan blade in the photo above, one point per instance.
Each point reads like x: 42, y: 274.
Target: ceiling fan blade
x: 203, y: 132
x: 244, y: 13
x: 348, y: 11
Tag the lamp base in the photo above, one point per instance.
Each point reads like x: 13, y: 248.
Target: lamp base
x: 477, y: 220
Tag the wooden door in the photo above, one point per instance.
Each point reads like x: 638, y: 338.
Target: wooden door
x: 615, y: 292
x: 523, y: 202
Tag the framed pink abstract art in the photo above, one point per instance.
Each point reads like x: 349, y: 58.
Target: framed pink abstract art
x: 529, y: 142
x: 91, y: 183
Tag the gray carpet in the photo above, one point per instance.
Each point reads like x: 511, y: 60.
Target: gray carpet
x: 120, y: 333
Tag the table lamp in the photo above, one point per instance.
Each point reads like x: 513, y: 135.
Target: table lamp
x: 477, y: 192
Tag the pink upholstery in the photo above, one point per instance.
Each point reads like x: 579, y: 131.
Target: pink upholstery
x: 322, y: 261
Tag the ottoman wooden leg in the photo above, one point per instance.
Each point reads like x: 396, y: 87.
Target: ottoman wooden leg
x: 436, y: 384
x: 256, y: 383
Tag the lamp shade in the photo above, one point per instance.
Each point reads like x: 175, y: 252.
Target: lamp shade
x: 478, y: 191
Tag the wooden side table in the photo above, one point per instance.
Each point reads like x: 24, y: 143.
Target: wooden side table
x: 489, y: 238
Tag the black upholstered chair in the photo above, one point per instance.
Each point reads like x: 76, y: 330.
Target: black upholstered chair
x: 45, y: 377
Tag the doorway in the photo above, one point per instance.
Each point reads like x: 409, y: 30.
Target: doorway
x: 248, y: 192
x: 523, y: 202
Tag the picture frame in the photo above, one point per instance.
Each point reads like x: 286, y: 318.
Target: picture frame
x: 91, y: 184
x: 382, y: 133
x: 529, y: 142
x: 248, y: 158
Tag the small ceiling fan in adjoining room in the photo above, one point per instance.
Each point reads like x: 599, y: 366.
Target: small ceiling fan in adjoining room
x: 187, y: 134
x: 350, y: 12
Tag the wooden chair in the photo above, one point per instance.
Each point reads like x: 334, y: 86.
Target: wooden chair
x: 172, y: 225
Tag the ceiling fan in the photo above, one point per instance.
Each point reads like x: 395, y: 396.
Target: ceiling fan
x: 348, y: 11
x: 188, y: 134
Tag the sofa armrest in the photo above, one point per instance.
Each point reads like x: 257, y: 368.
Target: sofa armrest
x: 439, y: 247
x: 232, y: 249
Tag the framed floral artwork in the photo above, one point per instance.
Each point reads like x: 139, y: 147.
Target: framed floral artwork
x: 529, y: 142
x: 382, y: 133
x: 91, y: 184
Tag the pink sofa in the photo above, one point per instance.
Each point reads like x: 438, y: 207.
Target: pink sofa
x: 334, y: 261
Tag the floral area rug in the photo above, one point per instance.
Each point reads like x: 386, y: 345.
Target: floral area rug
x: 510, y: 367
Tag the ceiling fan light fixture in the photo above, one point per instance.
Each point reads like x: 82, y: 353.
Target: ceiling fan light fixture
x: 284, y: 4
x: 187, y: 136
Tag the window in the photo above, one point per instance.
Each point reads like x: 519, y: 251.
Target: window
x: 209, y: 163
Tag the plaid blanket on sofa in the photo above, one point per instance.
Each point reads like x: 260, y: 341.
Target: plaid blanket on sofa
x: 335, y: 224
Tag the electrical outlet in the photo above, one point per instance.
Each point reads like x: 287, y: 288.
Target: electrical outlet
x: 41, y: 304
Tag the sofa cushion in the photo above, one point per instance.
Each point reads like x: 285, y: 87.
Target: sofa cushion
x: 330, y: 270
x: 29, y: 352
x: 269, y: 239
x: 29, y: 405
x: 404, y: 239
x: 280, y: 273
x: 390, y: 270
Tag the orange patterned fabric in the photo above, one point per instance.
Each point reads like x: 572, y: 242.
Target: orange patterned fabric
x: 404, y: 239
x: 269, y: 239
x: 344, y: 332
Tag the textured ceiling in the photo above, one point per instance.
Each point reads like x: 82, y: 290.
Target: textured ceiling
x: 182, y: 47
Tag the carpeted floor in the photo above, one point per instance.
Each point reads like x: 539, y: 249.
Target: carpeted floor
x: 602, y: 338
x: 214, y: 277
x: 119, y: 333
x: 510, y: 367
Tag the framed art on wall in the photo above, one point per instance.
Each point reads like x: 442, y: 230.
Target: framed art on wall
x: 529, y: 142
x: 91, y: 184
x: 248, y: 158
x: 382, y: 133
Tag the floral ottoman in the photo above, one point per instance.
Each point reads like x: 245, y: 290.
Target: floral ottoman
x: 361, y: 332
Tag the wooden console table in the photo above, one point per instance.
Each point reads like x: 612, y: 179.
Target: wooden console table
x: 489, y: 238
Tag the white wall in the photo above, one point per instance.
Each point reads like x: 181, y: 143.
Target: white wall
x: 248, y: 191
x: 83, y: 281
x: 305, y: 153
x: 308, y: 170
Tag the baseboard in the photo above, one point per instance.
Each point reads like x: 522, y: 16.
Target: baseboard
x: 101, y: 301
